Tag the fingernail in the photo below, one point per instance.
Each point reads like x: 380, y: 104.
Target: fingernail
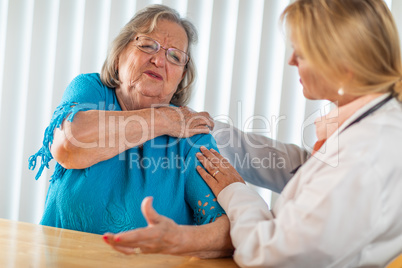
x: 117, y: 239
x: 198, y: 154
x: 203, y: 148
x: 105, y: 237
x: 213, y: 150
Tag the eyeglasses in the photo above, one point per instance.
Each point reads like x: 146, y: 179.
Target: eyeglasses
x: 151, y: 46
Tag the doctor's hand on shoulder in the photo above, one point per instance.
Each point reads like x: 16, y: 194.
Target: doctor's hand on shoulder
x: 218, y: 172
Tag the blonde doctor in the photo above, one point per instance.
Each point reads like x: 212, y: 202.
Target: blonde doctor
x: 343, y: 206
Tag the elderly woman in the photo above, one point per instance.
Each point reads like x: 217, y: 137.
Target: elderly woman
x: 119, y: 137
x: 343, y: 206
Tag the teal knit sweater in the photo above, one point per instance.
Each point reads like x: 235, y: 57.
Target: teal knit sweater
x: 107, y: 196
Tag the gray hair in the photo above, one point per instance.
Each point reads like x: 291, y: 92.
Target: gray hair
x: 145, y: 21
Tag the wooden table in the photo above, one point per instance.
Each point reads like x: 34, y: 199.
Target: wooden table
x: 31, y: 245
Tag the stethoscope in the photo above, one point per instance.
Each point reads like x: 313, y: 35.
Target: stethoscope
x: 369, y: 111
x: 361, y: 117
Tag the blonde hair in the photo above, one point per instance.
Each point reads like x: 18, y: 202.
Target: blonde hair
x: 344, y: 37
x: 145, y: 21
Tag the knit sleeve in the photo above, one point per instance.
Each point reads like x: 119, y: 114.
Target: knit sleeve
x: 198, y: 194
x: 83, y: 93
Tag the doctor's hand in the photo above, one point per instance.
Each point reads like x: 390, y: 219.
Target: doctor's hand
x: 162, y: 235
x: 219, y: 172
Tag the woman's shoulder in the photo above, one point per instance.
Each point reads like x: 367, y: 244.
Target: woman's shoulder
x: 196, y: 141
x: 87, y: 88
x: 88, y: 78
x: 201, y: 138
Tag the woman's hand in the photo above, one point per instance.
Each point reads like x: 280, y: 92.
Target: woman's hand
x: 220, y: 173
x: 162, y: 235
x: 183, y: 122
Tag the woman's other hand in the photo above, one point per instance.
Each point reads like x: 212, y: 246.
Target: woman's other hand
x: 162, y: 235
x: 219, y: 172
x: 183, y: 122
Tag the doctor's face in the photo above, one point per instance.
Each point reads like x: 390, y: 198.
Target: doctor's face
x: 315, y: 86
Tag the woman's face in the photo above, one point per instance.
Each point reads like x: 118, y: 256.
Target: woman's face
x: 151, y: 79
x: 315, y: 87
